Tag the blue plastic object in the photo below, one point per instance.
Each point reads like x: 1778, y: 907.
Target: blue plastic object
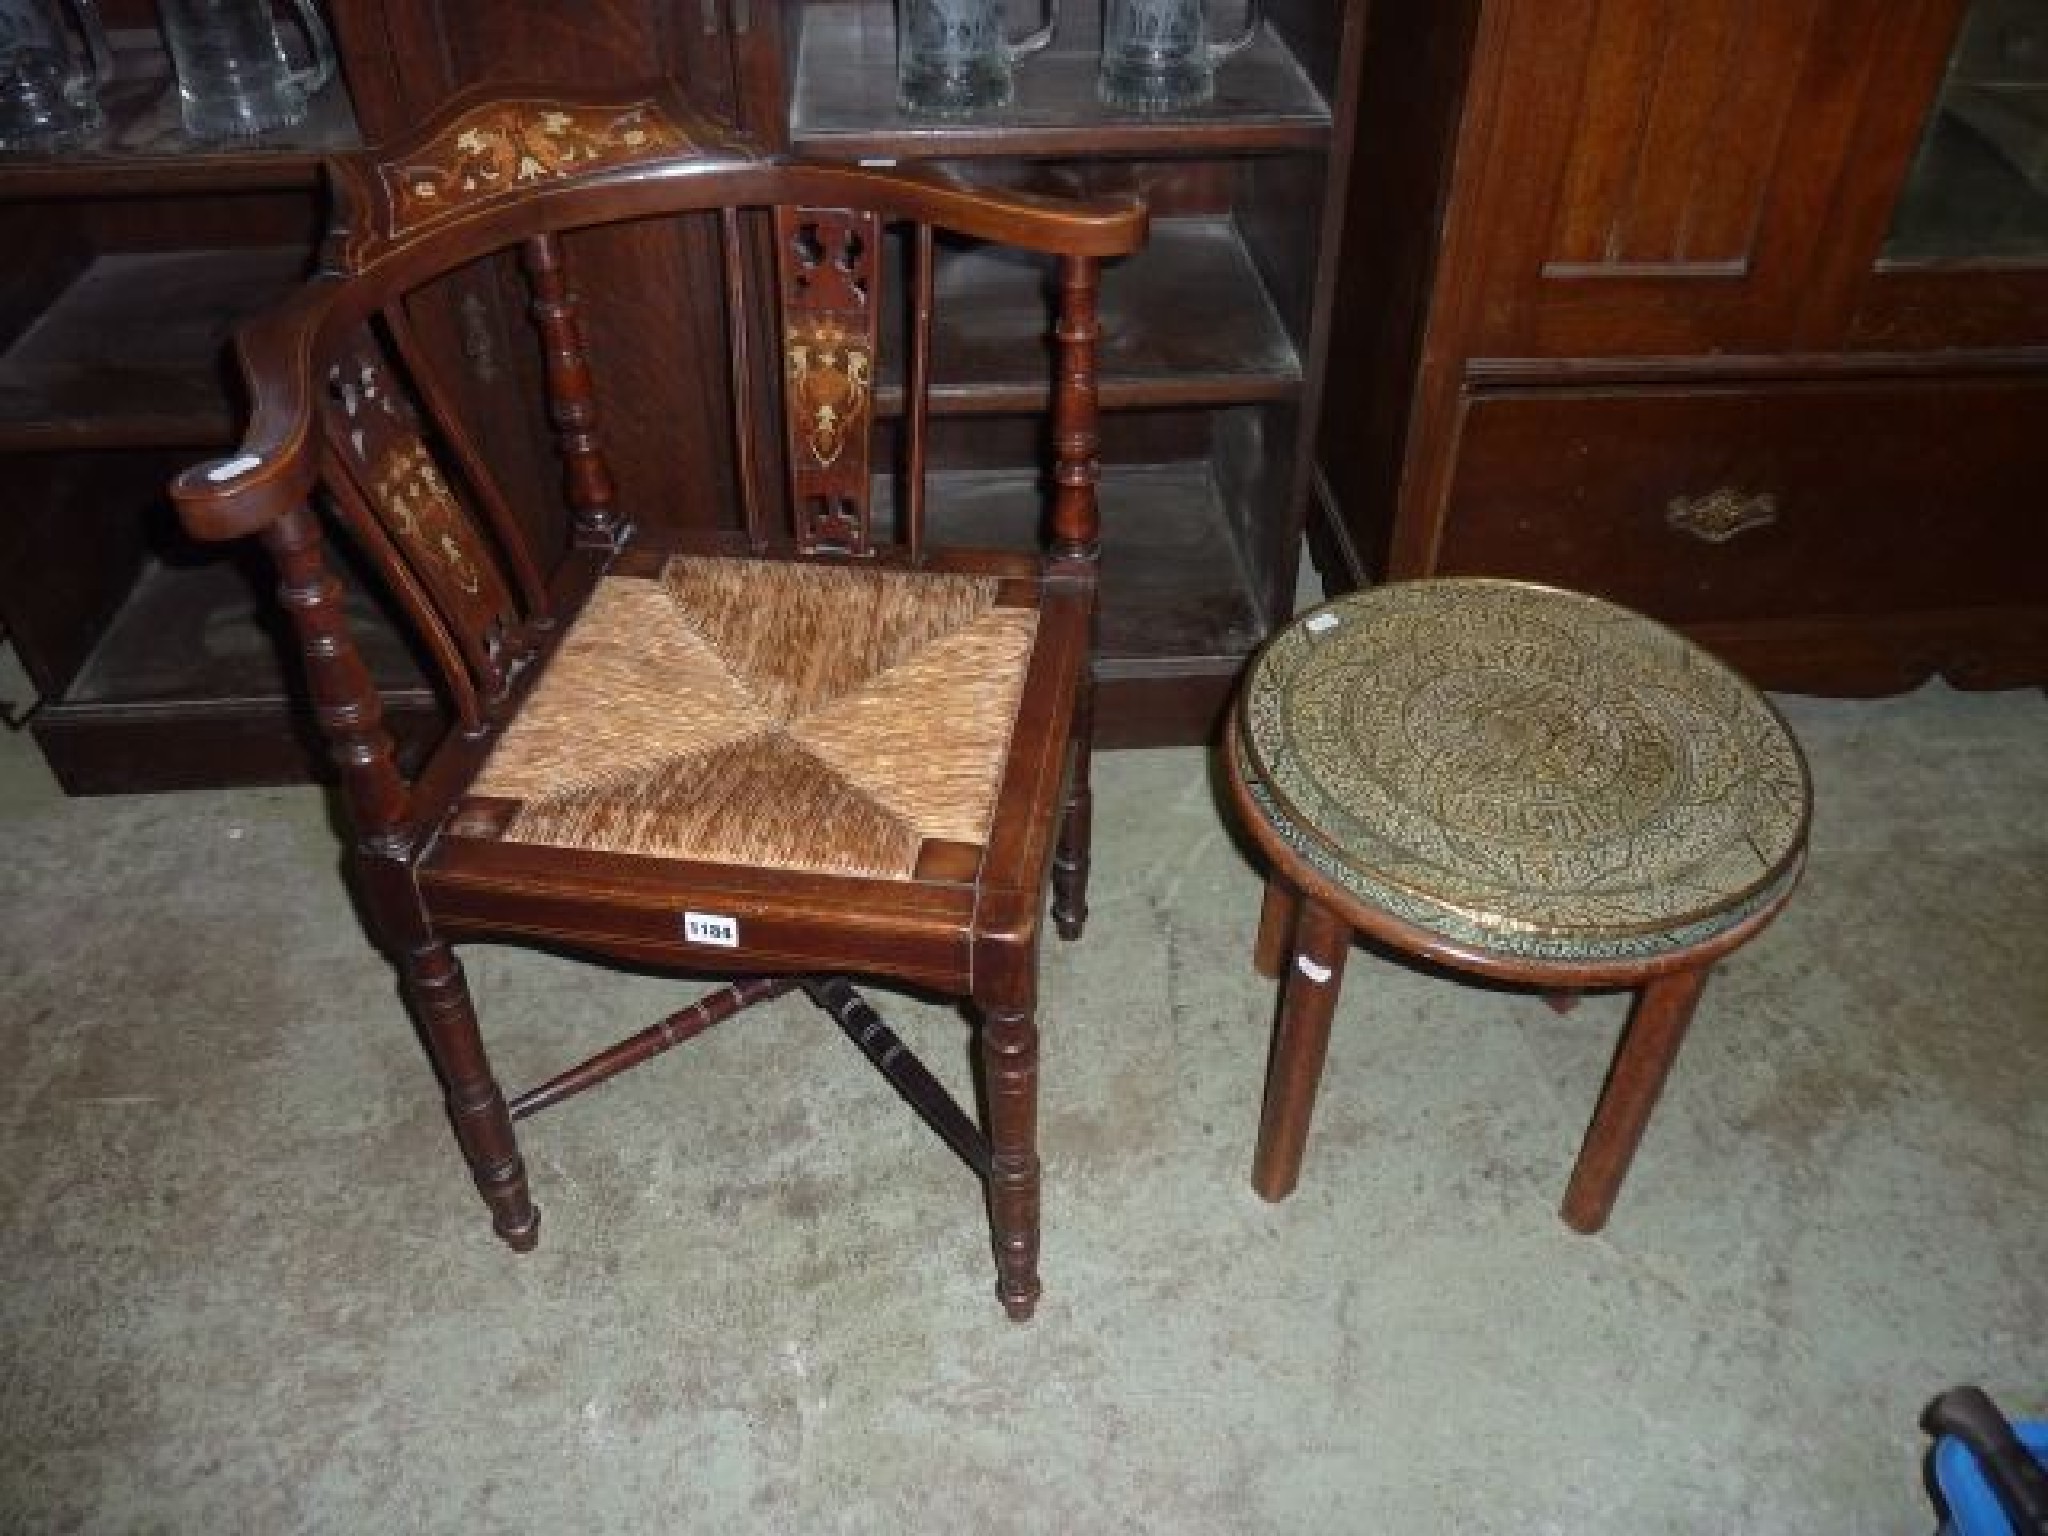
x: 1973, y: 1509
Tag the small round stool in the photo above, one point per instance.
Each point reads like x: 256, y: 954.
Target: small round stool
x: 1528, y: 784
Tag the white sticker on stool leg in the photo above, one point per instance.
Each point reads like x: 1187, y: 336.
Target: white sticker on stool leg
x: 228, y: 469
x: 1315, y: 973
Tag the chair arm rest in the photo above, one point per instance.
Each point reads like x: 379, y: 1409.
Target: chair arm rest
x: 274, y: 469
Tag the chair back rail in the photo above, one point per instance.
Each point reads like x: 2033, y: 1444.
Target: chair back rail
x: 732, y: 257
x: 572, y: 394
x: 917, y: 387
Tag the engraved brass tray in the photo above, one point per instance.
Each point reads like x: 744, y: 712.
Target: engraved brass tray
x: 1534, y: 761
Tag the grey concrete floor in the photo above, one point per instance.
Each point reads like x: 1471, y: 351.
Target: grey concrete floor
x: 244, y: 1285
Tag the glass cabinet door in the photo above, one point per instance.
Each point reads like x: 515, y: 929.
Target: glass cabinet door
x: 1978, y: 192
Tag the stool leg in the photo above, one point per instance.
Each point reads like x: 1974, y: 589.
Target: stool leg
x: 1308, y: 998
x: 1656, y: 1029
x: 1276, y: 929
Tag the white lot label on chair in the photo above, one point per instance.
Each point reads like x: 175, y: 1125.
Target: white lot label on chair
x: 711, y: 928
x: 229, y: 469
x: 1315, y: 973
x: 1317, y: 623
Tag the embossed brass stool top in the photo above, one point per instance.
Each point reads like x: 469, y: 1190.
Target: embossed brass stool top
x: 1514, y: 763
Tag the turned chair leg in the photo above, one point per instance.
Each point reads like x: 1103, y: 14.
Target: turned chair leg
x: 1009, y: 1055
x: 1656, y: 1029
x: 483, y: 1126
x: 1070, y: 859
x: 1276, y: 930
x: 1308, y: 999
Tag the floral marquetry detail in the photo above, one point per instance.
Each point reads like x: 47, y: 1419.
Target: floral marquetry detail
x: 830, y: 376
x: 826, y: 264
x: 411, y: 508
x: 419, y: 508
x: 498, y: 149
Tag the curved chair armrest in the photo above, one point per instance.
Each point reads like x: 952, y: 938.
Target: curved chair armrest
x: 274, y: 469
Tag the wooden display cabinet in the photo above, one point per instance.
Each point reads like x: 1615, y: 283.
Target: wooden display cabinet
x: 130, y: 262
x: 1733, y: 313
x: 1213, y: 335
x: 144, y: 251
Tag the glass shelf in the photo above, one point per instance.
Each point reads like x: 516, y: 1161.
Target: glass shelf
x: 845, y: 103
x: 143, y: 147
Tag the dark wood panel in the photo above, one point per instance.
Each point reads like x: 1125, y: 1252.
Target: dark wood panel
x: 991, y: 347
x: 1689, y: 103
x: 1410, y: 97
x: 1849, y: 503
x: 407, y: 59
x: 72, y: 543
x: 1313, y: 31
x: 1174, y: 586
x: 1573, y: 145
x: 202, y: 625
x: 1929, y: 309
x: 45, y: 256
x: 1163, y: 706
x: 122, y: 749
x: 1279, y: 216
x: 190, y: 682
x: 1179, y: 614
x: 1886, y: 653
x: 134, y: 351
x: 237, y: 219
x: 654, y: 320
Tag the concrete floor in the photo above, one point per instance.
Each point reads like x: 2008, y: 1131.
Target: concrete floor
x: 245, y: 1286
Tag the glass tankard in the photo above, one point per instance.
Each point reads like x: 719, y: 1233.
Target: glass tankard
x: 233, y: 77
x: 49, y: 86
x: 1156, y: 54
x: 953, y: 57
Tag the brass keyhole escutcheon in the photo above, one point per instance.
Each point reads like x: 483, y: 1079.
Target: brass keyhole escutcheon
x: 1721, y: 515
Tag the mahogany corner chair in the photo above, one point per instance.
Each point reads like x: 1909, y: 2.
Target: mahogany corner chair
x: 787, y: 751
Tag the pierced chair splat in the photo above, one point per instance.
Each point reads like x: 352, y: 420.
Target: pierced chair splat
x: 787, y: 750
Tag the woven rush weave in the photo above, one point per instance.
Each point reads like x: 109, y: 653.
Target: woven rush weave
x: 770, y: 714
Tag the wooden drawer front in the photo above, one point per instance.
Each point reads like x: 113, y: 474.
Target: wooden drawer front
x: 1699, y: 506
